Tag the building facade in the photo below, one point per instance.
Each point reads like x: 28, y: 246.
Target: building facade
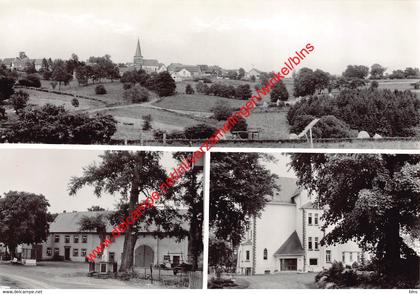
x: 21, y: 62
x: 286, y: 237
x: 149, y: 65
x: 67, y: 241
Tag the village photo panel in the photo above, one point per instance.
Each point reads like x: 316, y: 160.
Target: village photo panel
x: 314, y: 220
x: 108, y: 219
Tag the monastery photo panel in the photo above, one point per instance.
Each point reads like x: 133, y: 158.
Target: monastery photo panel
x: 100, y: 219
x: 314, y: 220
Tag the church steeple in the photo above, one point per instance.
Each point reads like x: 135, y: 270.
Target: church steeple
x: 138, y: 50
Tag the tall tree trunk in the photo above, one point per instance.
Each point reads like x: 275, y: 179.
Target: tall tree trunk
x: 392, y: 243
x: 130, y: 237
x: 195, y: 238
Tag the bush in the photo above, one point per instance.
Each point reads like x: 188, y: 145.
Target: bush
x: 137, y: 94
x: 189, y: 90
x: 127, y: 86
x: 200, y: 131
x: 75, y: 102
x: 386, y: 112
x: 243, y: 92
x: 100, y: 90
x: 279, y: 92
x: 241, y: 126
x: 164, y: 84
x: 221, y: 110
x: 374, y: 84
x: 147, y: 122
x: 53, y: 84
x: 19, y: 100
x: 31, y: 80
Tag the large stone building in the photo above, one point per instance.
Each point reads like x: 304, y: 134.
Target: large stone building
x: 286, y: 237
x: 21, y: 62
x: 66, y: 240
x: 149, y: 65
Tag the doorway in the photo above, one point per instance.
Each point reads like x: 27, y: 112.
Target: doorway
x: 66, y: 253
x: 288, y: 264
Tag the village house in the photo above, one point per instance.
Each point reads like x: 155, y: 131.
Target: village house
x: 22, y: 61
x: 286, y: 237
x: 67, y: 241
x: 253, y: 72
x: 180, y: 72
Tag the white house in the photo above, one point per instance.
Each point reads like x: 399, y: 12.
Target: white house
x: 65, y: 239
x: 286, y: 237
x: 182, y: 74
x: 253, y: 72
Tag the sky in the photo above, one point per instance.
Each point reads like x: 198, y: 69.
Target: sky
x: 232, y: 34
x: 48, y: 172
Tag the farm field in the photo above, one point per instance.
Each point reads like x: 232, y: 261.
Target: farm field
x: 195, y: 102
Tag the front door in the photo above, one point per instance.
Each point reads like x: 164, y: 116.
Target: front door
x: 288, y: 264
x: 175, y: 260
x: 144, y: 256
x: 67, y: 253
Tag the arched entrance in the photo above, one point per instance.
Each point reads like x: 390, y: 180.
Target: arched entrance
x: 144, y: 256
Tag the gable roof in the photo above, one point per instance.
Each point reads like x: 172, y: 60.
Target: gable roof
x: 150, y: 62
x: 288, y: 189
x: 308, y: 205
x: 68, y: 222
x: 292, y: 246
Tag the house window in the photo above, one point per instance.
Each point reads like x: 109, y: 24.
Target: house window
x: 67, y: 239
x: 167, y: 258
x: 351, y: 256
x: 310, y: 219
x: 328, y: 256
x: 310, y: 243
x: 56, y: 251
x: 56, y: 238
x: 247, y: 255
x: 316, y: 219
x: 265, y: 254
x: 84, y: 238
x: 49, y: 251
x: 111, y: 257
x: 75, y: 252
x: 344, y: 257
x: 359, y: 257
x: 313, y: 261
x: 83, y: 252
x: 76, y: 238
x: 316, y: 243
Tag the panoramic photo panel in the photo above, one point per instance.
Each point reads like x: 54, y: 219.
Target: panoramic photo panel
x: 254, y: 73
x: 109, y: 219
x: 314, y: 220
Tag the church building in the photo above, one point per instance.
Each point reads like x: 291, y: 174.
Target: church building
x: 149, y: 65
x: 286, y: 237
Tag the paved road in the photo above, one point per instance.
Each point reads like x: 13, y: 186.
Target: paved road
x: 280, y: 281
x: 61, y: 275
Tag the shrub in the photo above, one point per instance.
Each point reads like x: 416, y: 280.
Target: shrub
x: 75, y: 102
x: 137, y: 94
x: 202, y: 88
x: 31, y: 80
x: 127, y: 86
x: 19, y: 100
x: 53, y: 84
x: 189, y: 90
x: 221, y: 110
x: 243, y: 92
x: 47, y: 75
x: 241, y: 126
x: 100, y: 90
x: 200, y: 131
x: 147, y: 122
x: 374, y: 84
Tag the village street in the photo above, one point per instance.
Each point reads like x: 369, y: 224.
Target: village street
x: 63, y: 275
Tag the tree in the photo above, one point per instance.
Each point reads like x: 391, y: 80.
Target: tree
x: 322, y: 80
x: 327, y: 127
x: 202, y: 88
x: 411, y: 73
x: 60, y: 74
x: 190, y: 195
x: 370, y: 198
x: 6, y: 84
x: 30, y: 67
x: 238, y: 192
x: 232, y: 74
x: 133, y: 175
x: 164, y: 84
x: 73, y: 63
x: 23, y: 219
x: 397, y: 74
x: 147, y: 122
x: 200, y: 131
x: 243, y: 92
x: 242, y: 127
x: 32, y: 80
x: 45, y: 67
x: 137, y: 94
x: 377, y: 71
x: 374, y: 85
x: 304, y: 82
x: 356, y: 71
x: 54, y: 125
x: 189, y: 90
x: 221, y: 110
x: 19, y: 100
x: 279, y: 92
x: 241, y: 73
x: 97, y: 222
x: 129, y: 77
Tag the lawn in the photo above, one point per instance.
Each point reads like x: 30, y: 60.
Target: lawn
x: 41, y: 98
x: 195, y: 102
x: 274, y: 125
